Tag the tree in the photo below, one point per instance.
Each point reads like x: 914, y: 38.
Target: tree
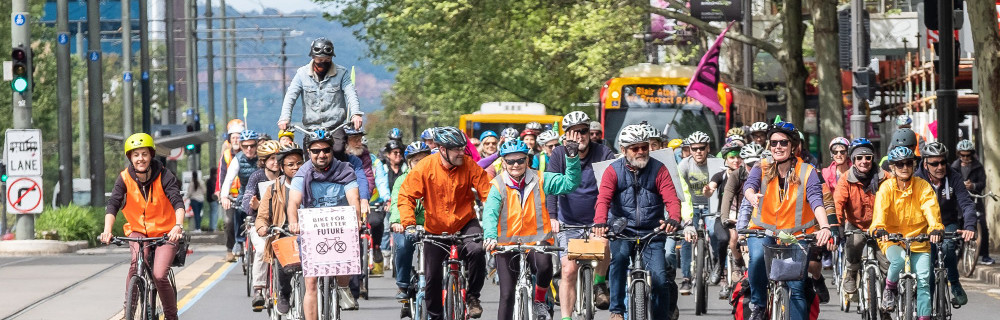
x: 825, y: 32
x: 986, y: 43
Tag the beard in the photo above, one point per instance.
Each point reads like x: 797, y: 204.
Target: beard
x: 354, y: 151
x: 637, y: 162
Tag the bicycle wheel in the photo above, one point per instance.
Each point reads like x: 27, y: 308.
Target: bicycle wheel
x: 907, y: 300
x: 454, y: 304
x: 701, y: 270
x: 638, y: 308
x: 869, y: 302
x: 779, y: 304
x: 364, y: 267
x: 135, y: 299
x: 969, y: 253
x: 942, y: 296
x: 298, y: 293
x: 522, y: 305
x: 249, y: 257
x: 585, y: 299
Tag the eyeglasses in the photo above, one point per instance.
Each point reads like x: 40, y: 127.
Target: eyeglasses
x: 699, y: 149
x: 903, y: 164
x: 293, y: 164
x: 582, y: 131
x: 935, y: 164
x: 965, y: 155
x: 637, y: 149
x: 780, y: 143
x: 518, y: 161
x: 865, y: 158
x: 248, y: 146
x: 839, y: 151
x: 323, y: 150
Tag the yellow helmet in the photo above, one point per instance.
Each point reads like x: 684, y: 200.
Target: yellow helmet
x: 268, y: 148
x: 139, y: 140
x: 674, y: 144
x: 284, y: 133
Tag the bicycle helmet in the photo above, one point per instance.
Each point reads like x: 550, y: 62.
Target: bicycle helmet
x: 513, y: 146
x: 509, y: 134
x: 903, y: 120
x: 449, y: 137
x: 286, y: 133
x: 318, y: 136
x: 759, y: 127
x: 900, y: 153
x: 965, y: 145
x: 415, y: 148
x: 322, y: 47
x: 547, y: 136
x: 632, y: 134
x: 353, y: 132
x: 595, y: 126
x: 575, y: 118
x: 864, y: 145
x: 534, y: 125
x: 904, y: 137
x: 735, y: 132
x: 139, y: 140
x: 732, y: 146
x: 699, y: 137
x: 235, y: 126
x: 934, y: 149
x: 267, y: 148
x: 839, y: 140
x: 675, y: 143
x: 289, y: 149
x: 428, y: 134
x: 393, y: 145
x: 530, y: 132
x: 751, y: 151
x: 395, y: 134
x: 651, y: 132
x: 248, y: 135
x: 263, y: 137
x: 487, y: 134
x: 787, y: 128
x: 736, y: 139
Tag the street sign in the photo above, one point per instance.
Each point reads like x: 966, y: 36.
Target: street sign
x: 127, y: 77
x: 94, y: 56
x: 63, y: 38
x: 717, y: 10
x: 19, y: 19
x: 24, y: 195
x: 22, y: 152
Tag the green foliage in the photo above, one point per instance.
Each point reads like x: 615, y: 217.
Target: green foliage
x: 75, y: 223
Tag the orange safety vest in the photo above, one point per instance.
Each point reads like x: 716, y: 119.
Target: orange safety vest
x: 227, y: 157
x: 522, y: 220
x: 778, y: 214
x: 154, y: 216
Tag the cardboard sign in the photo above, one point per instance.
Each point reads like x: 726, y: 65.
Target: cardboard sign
x: 329, y: 243
x: 714, y: 166
x: 666, y: 156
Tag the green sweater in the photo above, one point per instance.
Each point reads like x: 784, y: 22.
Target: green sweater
x: 553, y: 184
x: 394, y: 209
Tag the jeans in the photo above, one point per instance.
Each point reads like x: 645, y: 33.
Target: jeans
x: 799, y: 297
x: 686, y: 252
x: 920, y: 264
x: 402, y: 259
x: 196, y: 207
x: 507, y: 270
x: 213, y: 216
x: 470, y: 252
x: 621, y: 257
x: 950, y: 258
x: 984, y: 242
x: 237, y: 229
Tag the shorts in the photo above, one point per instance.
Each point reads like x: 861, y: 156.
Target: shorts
x: 562, y: 238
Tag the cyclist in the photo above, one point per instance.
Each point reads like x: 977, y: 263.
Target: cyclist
x: 509, y: 134
x: 273, y: 211
x: 548, y: 140
x: 324, y: 181
x: 854, y: 200
x: 377, y: 180
x: 403, y: 254
x: 676, y: 145
x: 511, y: 213
x: 150, y: 199
x: 428, y: 137
x: 906, y: 204
x: 530, y: 136
x: 694, y: 176
x: 974, y: 179
x: 242, y: 166
x: 787, y: 196
x: 268, y: 171
x: 596, y: 132
x: 655, y: 141
x: 488, y: 143
x: 286, y: 137
x: 329, y: 100
x: 957, y: 212
x: 233, y: 130
x: 732, y: 197
x: 840, y: 164
x: 445, y: 184
x: 758, y: 133
x: 577, y: 209
x: 901, y: 137
x: 904, y: 121
x: 733, y: 162
x: 638, y: 189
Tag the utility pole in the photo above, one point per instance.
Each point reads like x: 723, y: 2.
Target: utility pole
x: 225, y: 62
x: 947, y: 96
x: 65, y: 103
x: 232, y: 70
x: 284, y: 59
x: 859, y: 53
x: 96, y: 108
x: 748, y: 50
x: 20, y: 36
x: 127, y: 69
x: 171, y: 58
x: 147, y: 122
x: 211, y: 75
x: 81, y: 107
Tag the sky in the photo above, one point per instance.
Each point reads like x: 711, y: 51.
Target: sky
x: 286, y: 6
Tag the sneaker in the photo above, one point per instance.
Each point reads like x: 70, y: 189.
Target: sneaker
x: 827, y: 261
x: 758, y: 313
x: 685, y: 288
x: 716, y: 276
x: 238, y: 250
x: 888, y: 300
x: 377, y: 270
x: 602, y: 299
x: 377, y: 256
x: 258, y: 301
x: 542, y: 311
x: 401, y: 294
x: 821, y: 290
x: 986, y: 261
x: 347, y: 301
x: 958, y: 296
x: 676, y: 314
x: 475, y: 308
x: 616, y: 316
x: 850, y: 284
x: 230, y: 257
x: 724, y: 293
x: 282, y: 305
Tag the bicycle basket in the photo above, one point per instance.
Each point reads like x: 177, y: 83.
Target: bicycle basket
x: 287, y: 251
x: 180, y: 257
x: 785, y: 263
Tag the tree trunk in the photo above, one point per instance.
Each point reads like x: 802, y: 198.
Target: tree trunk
x: 831, y: 107
x: 986, y: 43
x: 733, y: 53
x: 790, y: 56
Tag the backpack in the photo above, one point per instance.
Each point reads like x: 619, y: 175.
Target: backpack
x: 740, y: 299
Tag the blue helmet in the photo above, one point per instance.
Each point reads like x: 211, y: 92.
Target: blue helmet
x: 415, y: 148
x: 861, y: 143
x: 353, y: 132
x: 487, y: 134
x: 513, y: 146
x: 787, y: 128
x: 428, y: 134
x: 317, y: 136
x: 900, y: 153
x: 395, y: 134
x: 248, y: 135
x: 449, y: 137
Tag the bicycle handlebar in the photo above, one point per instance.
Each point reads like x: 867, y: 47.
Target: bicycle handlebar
x: 120, y: 241
x: 648, y: 237
x: 452, y: 237
x: 522, y: 247
x: 569, y: 227
x: 274, y: 231
x: 989, y: 194
x: 768, y: 233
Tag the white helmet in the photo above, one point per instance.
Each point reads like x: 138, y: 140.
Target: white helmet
x: 699, y: 137
x: 651, y: 132
x: 546, y: 136
x: 751, y: 152
x: 632, y: 134
x: 575, y: 118
x: 966, y: 145
x: 759, y: 127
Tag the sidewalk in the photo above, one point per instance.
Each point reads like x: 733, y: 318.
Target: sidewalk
x: 987, y: 275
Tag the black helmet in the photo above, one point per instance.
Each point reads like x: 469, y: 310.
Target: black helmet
x: 904, y: 137
x: 321, y: 47
x: 393, y: 145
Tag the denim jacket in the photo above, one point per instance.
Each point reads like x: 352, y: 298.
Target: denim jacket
x: 327, y: 103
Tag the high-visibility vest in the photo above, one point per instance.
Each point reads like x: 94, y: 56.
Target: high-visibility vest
x: 779, y: 214
x: 152, y: 216
x: 522, y: 220
x: 227, y: 157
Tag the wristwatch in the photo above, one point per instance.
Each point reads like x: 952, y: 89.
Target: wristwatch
x: 179, y: 225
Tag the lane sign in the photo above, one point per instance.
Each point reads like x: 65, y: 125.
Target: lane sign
x: 23, y: 153
x: 24, y: 195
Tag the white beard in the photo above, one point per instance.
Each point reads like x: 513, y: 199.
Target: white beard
x: 636, y: 163
x: 355, y: 151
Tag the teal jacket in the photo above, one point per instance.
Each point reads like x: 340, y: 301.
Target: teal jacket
x: 394, y: 209
x: 553, y: 184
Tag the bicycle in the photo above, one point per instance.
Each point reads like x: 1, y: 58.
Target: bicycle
x: 584, y: 308
x: 248, y: 253
x: 524, y: 290
x: 637, y: 290
x: 454, y: 281
x: 272, y: 287
x: 366, y: 261
x: 286, y: 254
x: 703, y: 260
x: 941, y: 297
x: 413, y: 306
x: 141, y: 302
x: 871, y: 281
x: 792, y: 261
x: 969, y: 251
x: 907, y: 302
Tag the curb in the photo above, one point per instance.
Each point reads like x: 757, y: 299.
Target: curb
x: 989, y: 275
x: 39, y: 247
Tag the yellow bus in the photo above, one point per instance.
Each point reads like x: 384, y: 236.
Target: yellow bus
x: 497, y: 116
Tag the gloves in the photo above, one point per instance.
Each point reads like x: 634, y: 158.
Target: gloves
x: 411, y: 233
x: 572, y: 148
x: 676, y: 224
x: 689, y: 231
x: 937, y: 232
x: 880, y: 233
x: 489, y: 244
x: 729, y: 224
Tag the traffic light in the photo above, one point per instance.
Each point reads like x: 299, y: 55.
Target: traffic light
x: 3, y: 172
x: 19, y: 55
x: 193, y: 125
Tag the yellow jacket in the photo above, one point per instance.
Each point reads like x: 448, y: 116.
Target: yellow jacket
x: 911, y: 212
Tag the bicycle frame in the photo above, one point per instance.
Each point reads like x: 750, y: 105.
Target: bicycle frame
x: 144, y: 272
x: 638, y: 276
x: 868, y: 307
x: 906, y: 308
x: 524, y: 288
x: 779, y: 302
x: 702, y: 257
x: 584, y: 305
x: 452, y: 268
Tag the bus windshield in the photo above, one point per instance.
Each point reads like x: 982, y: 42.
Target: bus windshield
x: 662, y: 106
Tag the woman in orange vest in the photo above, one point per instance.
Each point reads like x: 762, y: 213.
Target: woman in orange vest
x: 150, y: 199
x: 787, y: 195
x: 515, y: 213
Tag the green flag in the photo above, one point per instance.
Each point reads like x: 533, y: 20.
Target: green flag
x: 245, y: 110
x: 777, y: 119
x: 352, y: 74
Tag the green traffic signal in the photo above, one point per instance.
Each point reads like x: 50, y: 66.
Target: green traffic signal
x: 19, y: 84
x: 189, y: 147
x: 3, y: 178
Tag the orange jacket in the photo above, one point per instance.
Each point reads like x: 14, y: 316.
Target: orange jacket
x: 853, y: 204
x: 153, y: 217
x: 448, y: 195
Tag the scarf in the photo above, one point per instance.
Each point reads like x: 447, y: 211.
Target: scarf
x: 866, y: 179
x: 321, y: 69
x: 338, y: 172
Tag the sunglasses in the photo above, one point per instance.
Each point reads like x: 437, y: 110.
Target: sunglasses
x: 637, y: 149
x: 323, y: 150
x: 582, y: 131
x: 865, y: 158
x: 248, y: 146
x: 780, y: 143
x: 965, y: 155
x: 699, y: 149
x: 935, y: 164
x: 840, y: 152
x: 518, y: 161
x: 293, y: 164
x: 903, y: 164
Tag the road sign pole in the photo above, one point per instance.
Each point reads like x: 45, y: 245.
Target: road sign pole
x: 20, y: 34
x: 96, y: 107
x: 65, y: 103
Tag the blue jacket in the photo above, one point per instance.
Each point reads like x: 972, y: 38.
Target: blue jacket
x: 638, y: 200
x: 956, y: 205
x: 576, y: 208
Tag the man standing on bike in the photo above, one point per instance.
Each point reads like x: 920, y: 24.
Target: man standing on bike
x: 323, y: 182
x: 403, y: 252
x: 242, y: 166
x: 515, y: 213
x: 958, y: 211
x: 974, y: 179
x: 787, y: 196
x: 444, y: 183
x: 329, y: 100
x: 854, y: 200
x: 638, y: 189
x: 272, y: 212
x: 269, y: 170
x: 907, y: 205
x: 694, y: 176
x: 577, y: 209
x: 150, y: 199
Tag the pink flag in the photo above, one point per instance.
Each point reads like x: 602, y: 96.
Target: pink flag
x: 705, y: 82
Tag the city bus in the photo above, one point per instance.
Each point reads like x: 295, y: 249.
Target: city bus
x: 655, y: 93
x: 497, y: 116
